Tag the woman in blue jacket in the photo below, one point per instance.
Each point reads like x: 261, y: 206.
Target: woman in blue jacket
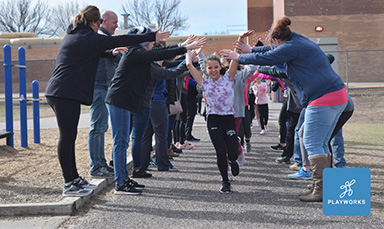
x: 318, y: 87
x: 72, y: 84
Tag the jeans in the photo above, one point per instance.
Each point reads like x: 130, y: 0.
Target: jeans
x: 120, y: 122
x: 338, y: 149
x: 139, y: 123
x: 296, y: 146
x: 99, y: 125
x: 320, y: 121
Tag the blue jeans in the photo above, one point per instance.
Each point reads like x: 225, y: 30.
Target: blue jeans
x: 320, y: 121
x: 139, y: 123
x: 338, y: 149
x: 120, y: 122
x: 296, y: 146
x: 99, y: 125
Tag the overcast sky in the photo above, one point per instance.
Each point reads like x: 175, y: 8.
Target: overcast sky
x: 204, y: 16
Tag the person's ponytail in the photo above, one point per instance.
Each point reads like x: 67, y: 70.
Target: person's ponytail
x: 86, y: 16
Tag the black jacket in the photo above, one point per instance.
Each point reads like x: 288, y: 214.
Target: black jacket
x: 132, y: 76
x: 77, y: 60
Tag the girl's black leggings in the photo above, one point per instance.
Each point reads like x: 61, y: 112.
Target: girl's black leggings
x: 222, y: 131
x: 263, y: 114
x: 67, y: 113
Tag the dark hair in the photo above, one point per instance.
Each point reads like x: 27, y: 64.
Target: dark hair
x: 212, y: 57
x: 280, y: 30
x: 86, y: 16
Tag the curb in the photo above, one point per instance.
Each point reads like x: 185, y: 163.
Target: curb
x: 67, y: 206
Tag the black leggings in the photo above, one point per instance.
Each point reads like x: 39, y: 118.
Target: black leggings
x: 222, y: 131
x: 344, y: 117
x: 263, y: 114
x: 67, y: 113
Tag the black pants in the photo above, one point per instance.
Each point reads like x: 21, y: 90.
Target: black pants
x: 293, y: 118
x: 263, y: 114
x: 344, y: 117
x: 191, y: 113
x: 67, y: 113
x: 222, y: 131
x: 179, y: 129
x: 245, y: 126
x: 251, y: 103
x: 283, y: 119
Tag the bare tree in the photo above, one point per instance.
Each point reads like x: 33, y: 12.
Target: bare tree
x: 22, y: 16
x: 62, y: 16
x: 164, y: 13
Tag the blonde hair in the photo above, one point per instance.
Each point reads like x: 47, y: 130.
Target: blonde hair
x: 86, y: 16
x: 280, y: 30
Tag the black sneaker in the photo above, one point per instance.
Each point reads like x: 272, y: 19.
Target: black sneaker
x: 278, y: 148
x: 109, y: 168
x: 75, y: 190
x: 136, y: 185
x: 176, y: 150
x: 284, y: 160
x: 226, y: 187
x: 102, y: 172
x: 234, y: 168
x: 192, y: 139
x: 140, y: 174
x: 126, y: 189
x: 83, y: 183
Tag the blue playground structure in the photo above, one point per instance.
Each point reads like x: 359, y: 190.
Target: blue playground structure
x: 22, y: 100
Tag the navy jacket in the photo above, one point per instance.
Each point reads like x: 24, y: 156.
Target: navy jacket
x: 77, y: 60
x: 305, y: 63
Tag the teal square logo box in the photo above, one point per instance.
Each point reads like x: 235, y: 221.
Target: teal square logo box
x: 347, y: 192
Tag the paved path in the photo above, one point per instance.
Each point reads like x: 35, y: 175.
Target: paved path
x: 262, y: 195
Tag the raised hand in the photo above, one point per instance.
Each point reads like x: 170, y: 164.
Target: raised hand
x: 229, y: 54
x: 256, y: 38
x: 198, y: 43
x: 161, y: 36
x: 189, y: 40
x: 242, y: 47
x: 246, y: 34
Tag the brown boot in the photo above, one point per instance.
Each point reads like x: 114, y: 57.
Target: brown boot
x: 307, y: 192
x: 172, y: 154
x: 318, y: 163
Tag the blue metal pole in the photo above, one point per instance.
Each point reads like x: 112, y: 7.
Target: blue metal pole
x: 8, y: 93
x: 23, y: 98
x: 36, y: 111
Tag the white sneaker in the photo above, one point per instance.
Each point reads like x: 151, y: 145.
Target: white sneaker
x: 266, y: 128
x: 262, y: 132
